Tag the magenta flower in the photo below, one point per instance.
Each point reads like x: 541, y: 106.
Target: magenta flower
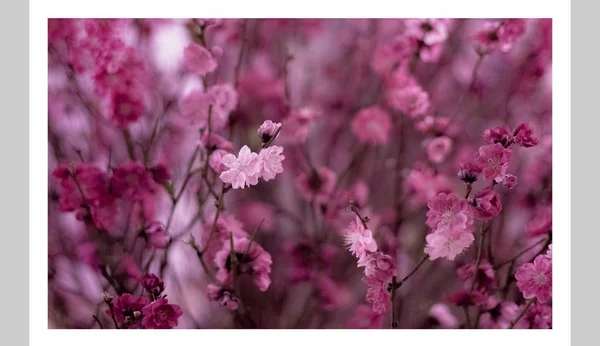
x: 448, y: 243
x: 448, y: 212
x: 380, y: 266
x: 161, y: 315
x: 469, y: 171
x: 509, y: 181
x: 438, y: 148
x: 486, y: 204
x: 132, y: 180
x: 493, y: 160
x: 125, y: 108
x: 128, y: 310
x: 534, y: 280
x: 153, y: 285
x: 270, y: 162
x: 500, y: 35
x: 359, y: 240
x: 500, y: 135
x: 161, y: 173
x: 255, y: 213
x: 539, y: 316
x: 226, y: 298
x: 372, y: 125
x: 198, y: 59
x: 316, y: 185
x: 413, y: 101
x: 268, y: 130
x: 423, y: 185
x: 244, y: 170
x: 251, y: 258
x: 377, y: 294
x: 524, y: 136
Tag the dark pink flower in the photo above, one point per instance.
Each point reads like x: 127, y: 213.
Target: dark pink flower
x: 448, y: 212
x: 161, y: 173
x: 469, y: 171
x: 380, y: 266
x: 535, y: 279
x: 198, y: 59
x: 493, y: 160
x: 509, y: 181
x: 251, y: 258
x: 486, y: 204
x: 226, y: 298
x: 539, y: 316
x: 501, y: 135
x: 316, y: 185
x: 132, y: 180
x: 524, y: 136
x: 542, y: 221
x: 128, y: 310
x: 438, y: 148
x: 268, y: 130
x: 126, y: 108
x: 153, y: 285
x: 372, y: 125
x: 161, y: 315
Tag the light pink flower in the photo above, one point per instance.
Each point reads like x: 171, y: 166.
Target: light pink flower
x: 447, y: 243
x: 535, y: 279
x: 438, y: 148
x: 359, y: 240
x: 413, y: 101
x: 270, y: 162
x: 224, y: 98
x: 244, y: 170
x: 317, y: 184
x: 448, y: 212
x: 198, y: 59
x: 372, y: 125
x: 493, y: 160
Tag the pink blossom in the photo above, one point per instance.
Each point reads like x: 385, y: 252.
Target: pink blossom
x: 126, y: 108
x: 161, y: 315
x: 500, y: 35
x: 493, y: 160
x: 448, y: 212
x: 377, y: 294
x: 486, y: 204
x: 226, y: 224
x: 541, y: 223
x: 379, y: 266
x: 251, y: 258
x: 500, y: 315
x: 226, y: 298
x: 424, y: 185
x: 243, y: 170
x: 535, y: 279
x: 270, y: 162
x: 316, y: 185
x: 372, y: 125
x: 224, y: 98
x: 198, y: 59
x: 511, y: 30
x: 161, y: 173
x: 128, y: 310
x: 430, y: 31
x: 500, y: 135
x: 467, y: 298
x: 153, y: 285
x: 509, y: 181
x: 524, y: 136
x: 539, y: 316
x: 132, y: 180
x: 156, y: 235
x: 359, y: 240
x: 268, y: 130
x: 469, y: 171
x: 438, y: 148
x: 365, y: 318
x: 196, y: 107
x: 413, y: 101
x: 447, y: 243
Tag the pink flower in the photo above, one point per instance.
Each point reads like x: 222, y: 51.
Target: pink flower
x: 535, y: 279
x: 359, y: 240
x: 268, y: 130
x: 161, y: 315
x: 244, y: 170
x: 493, y: 160
x: 126, y: 108
x: 509, y: 181
x: 484, y: 280
x: 316, y: 185
x: 153, y: 285
x: 413, y: 101
x: 500, y: 316
x: 511, y: 30
x: 500, y: 135
x: 541, y: 223
x: 469, y: 171
x: 448, y: 212
x: 128, y: 310
x: 251, y: 258
x: 198, y: 59
x: 372, y: 125
x: 447, y: 243
x: 226, y: 224
x: 224, y: 297
x: 430, y: 31
x: 380, y: 266
x: 438, y: 148
x: 270, y: 162
x: 195, y: 107
x: 443, y: 316
x: 486, y: 204
x: 377, y: 294
x: 365, y: 318
x: 156, y: 235
x: 132, y: 180
x: 524, y: 136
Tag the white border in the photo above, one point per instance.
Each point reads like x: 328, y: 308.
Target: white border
x: 40, y: 10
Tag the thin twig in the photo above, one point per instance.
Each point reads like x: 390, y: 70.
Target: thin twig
x: 516, y: 320
x: 97, y: 320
